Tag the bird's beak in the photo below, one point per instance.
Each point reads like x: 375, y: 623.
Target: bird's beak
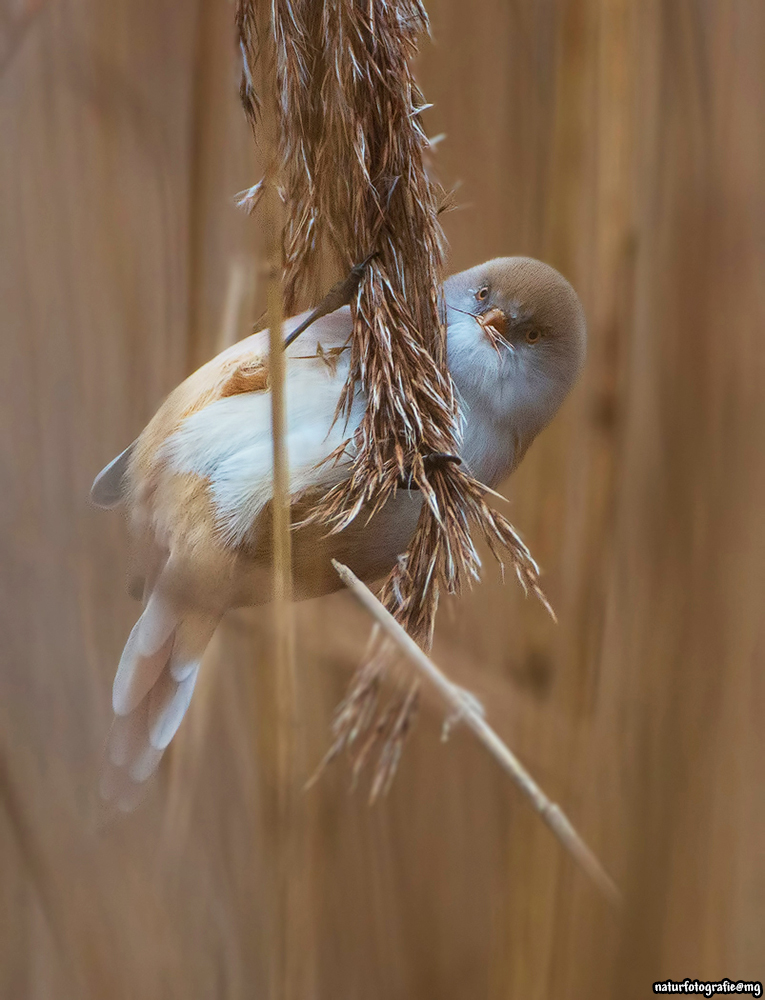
x: 494, y: 325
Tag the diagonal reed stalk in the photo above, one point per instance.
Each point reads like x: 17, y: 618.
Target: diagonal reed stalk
x: 465, y: 709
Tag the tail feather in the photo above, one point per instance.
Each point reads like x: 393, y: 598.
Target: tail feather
x: 126, y: 737
x: 168, y: 702
x: 138, y: 672
x: 191, y: 640
x: 158, y: 622
x: 118, y: 788
x: 152, y: 691
x: 130, y: 759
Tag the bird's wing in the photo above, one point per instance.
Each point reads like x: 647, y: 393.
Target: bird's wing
x: 108, y: 486
x: 239, y: 370
x: 207, y: 451
x: 227, y: 443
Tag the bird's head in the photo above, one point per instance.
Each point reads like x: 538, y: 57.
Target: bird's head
x: 516, y: 340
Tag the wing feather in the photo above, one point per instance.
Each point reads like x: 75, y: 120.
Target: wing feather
x: 108, y: 489
x: 227, y: 443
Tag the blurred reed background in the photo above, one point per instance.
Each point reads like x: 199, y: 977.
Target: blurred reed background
x: 622, y: 141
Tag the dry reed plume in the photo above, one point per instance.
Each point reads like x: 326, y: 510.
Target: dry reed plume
x: 351, y: 165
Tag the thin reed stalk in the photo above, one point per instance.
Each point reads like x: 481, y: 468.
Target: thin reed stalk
x: 465, y: 709
x: 254, y: 22
x: 284, y: 636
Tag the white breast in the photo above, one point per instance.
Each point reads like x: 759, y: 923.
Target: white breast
x: 229, y: 443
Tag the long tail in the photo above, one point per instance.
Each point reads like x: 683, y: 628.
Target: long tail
x: 152, y: 691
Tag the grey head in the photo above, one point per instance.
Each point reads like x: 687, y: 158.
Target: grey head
x: 516, y: 346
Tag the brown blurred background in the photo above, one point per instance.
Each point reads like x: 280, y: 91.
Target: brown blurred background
x: 624, y: 142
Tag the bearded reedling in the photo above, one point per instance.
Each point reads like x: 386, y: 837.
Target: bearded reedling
x: 197, y: 482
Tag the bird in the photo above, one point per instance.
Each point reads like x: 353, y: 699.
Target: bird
x: 197, y: 482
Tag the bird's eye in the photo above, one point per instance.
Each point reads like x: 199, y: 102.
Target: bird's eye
x: 533, y: 336
x: 482, y: 294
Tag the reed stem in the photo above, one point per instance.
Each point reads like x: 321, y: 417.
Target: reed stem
x: 465, y: 709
